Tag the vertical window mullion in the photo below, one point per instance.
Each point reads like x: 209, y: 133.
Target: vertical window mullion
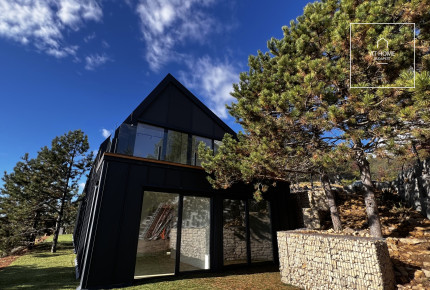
x: 189, y: 148
x: 164, y: 149
x: 179, y: 234
x: 273, y: 233
x: 248, y: 233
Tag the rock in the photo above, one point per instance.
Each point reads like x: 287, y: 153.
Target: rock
x: 17, y: 250
x: 412, y: 241
x: 426, y: 273
x: 418, y: 274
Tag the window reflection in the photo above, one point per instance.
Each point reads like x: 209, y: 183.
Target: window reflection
x: 126, y: 139
x: 149, y: 141
x: 234, y: 232
x: 217, y: 144
x: 195, y: 238
x: 195, y: 160
x: 177, y: 145
x: 157, y: 234
x: 260, y: 230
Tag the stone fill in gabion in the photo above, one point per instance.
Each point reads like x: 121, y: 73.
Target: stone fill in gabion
x: 322, y: 261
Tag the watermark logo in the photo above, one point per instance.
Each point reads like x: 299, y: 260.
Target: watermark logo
x: 379, y: 53
x: 382, y: 56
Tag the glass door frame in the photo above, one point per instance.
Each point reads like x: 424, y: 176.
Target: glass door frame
x: 247, y: 231
x: 246, y: 202
x: 179, y: 227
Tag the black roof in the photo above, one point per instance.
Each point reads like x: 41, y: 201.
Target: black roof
x: 180, y: 91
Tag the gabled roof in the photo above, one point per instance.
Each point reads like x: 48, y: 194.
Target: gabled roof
x: 166, y: 100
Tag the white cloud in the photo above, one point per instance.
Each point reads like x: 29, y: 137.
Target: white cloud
x: 96, y: 60
x: 43, y: 22
x: 81, y: 186
x: 167, y: 23
x: 90, y: 37
x: 105, y: 44
x: 106, y: 133
x: 213, y: 80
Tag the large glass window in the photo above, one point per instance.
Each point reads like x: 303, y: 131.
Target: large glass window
x: 126, y: 139
x: 217, y: 144
x: 260, y: 230
x: 195, y: 237
x: 149, y: 141
x: 195, y: 160
x: 157, y: 235
x: 177, y: 146
x: 234, y: 232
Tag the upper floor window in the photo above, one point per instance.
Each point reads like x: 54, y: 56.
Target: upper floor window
x: 149, y: 141
x: 217, y: 144
x: 158, y: 143
x: 177, y: 146
x: 126, y: 139
x: 195, y: 160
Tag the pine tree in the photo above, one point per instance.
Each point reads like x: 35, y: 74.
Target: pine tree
x: 64, y: 164
x: 298, y: 111
x: 25, y: 213
x: 39, y: 196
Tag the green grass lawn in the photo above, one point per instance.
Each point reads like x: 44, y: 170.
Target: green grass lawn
x: 40, y: 269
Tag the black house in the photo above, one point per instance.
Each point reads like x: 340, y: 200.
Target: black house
x: 148, y: 209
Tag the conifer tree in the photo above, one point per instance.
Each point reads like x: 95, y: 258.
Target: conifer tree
x: 40, y: 194
x: 24, y: 211
x: 297, y: 107
x: 64, y: 164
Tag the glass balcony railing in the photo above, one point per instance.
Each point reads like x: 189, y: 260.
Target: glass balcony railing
x: 147, y: 141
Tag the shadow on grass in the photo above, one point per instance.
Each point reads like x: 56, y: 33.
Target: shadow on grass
x: 46, y: 247
x: 228, y: 271
x: 47, y: 255
x: 28, y: 277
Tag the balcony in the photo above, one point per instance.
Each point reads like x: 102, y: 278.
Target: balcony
x: 152, y: 142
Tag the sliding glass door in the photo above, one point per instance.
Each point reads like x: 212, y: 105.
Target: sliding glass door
x: 157, y: 235
x: 260, y: 231
x: 195, y: 233
x: 234, y: 232
x: 247, y: 234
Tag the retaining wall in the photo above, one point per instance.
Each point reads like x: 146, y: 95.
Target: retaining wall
x: 322, y: 261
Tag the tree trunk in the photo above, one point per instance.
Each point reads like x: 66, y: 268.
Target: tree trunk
x: 369, y: 196
x: 33, y: 234
x: 61, y: 211
x: 58, y: 224
x: 419, y: 180
x: 325, y: 181
x: 312, y: 181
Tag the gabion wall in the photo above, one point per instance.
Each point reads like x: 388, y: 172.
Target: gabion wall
x: 322, y: 261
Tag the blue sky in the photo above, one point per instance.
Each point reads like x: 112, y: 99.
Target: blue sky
x: 86, y: 64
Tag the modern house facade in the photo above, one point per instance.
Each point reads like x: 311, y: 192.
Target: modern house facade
x: 148, y: 209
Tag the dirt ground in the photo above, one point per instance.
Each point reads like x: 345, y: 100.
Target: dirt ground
x: 6, y: 261
x: 406, y: 231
